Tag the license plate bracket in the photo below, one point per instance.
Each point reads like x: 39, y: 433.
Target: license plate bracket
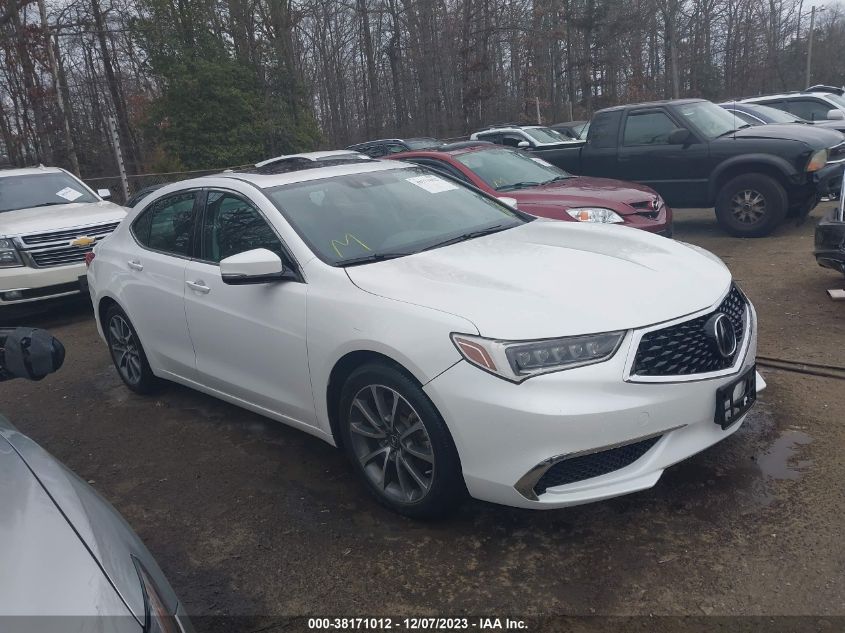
x: 736, y: 398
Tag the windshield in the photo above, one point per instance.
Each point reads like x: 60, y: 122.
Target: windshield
x: 422, y: 143
x: 776, y: 116
x: 41, y: 190
x: 505, y: 169
x: 386, y: 213
x: 544, y: 134
x: 838, y: 99
x: 709, y: 119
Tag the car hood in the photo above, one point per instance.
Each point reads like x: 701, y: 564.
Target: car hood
x: 58, y: 217
x: 546, y: 279
x: 814, y: 136
x: 46, y: 569
x: 100, y: 532
x: 582, y: 191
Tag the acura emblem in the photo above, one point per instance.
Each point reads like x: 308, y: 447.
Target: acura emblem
x: 721, y: 331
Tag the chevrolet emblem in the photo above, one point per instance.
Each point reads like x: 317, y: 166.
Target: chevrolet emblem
x: 82, y: 242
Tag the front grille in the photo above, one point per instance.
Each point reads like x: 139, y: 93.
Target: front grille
x: 593, y: 465
x: 685, y: 348
x: 69, y: 234
x: 59, y: 256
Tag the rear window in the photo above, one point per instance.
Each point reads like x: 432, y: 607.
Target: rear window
x: 604, y: 129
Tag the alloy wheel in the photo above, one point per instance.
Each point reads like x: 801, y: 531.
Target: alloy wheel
x: 748, y: 206
x: 391, y: 444
x: 125, y: 350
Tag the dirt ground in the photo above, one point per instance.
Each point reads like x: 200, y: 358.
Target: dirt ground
x: 247, y: 517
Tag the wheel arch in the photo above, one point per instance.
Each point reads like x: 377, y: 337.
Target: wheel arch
x: 773, y: 166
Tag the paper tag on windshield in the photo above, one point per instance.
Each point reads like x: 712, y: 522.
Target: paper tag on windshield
x: 432, y: 184
x: 542, y: 162
x: 69, y: 194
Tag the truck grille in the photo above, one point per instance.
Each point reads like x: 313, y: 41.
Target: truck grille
x: 59, y: 256
x: 836, y: 154
x: 685, y: 348
x: 69, y: 234
x: 46, y: 250
x: 584, y: 467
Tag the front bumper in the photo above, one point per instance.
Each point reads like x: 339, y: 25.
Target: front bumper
x: 505, y: 431
x: 828, y: 179
x: 830, y: 239
x: 38, y: 284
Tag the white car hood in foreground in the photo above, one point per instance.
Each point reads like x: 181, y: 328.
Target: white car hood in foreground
x: 548, y: 279
x: 58, y: 217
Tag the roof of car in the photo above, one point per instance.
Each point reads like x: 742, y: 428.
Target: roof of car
x: 315, y: 156
x: 790, y: 95
x: 29, y: 171
x: 265, y: 180
x: 647, y: 104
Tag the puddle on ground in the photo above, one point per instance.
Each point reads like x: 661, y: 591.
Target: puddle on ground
x: 779, y: 462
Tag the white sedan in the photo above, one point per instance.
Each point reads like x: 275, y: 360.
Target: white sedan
x: 447, y: 342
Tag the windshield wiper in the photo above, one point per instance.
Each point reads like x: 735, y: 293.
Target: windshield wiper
x: 555, y: 179
x: 518, y: 185
x: 467, y: 236
x: 46, y: 204
x: 368, y: 259
x: 741, y: 127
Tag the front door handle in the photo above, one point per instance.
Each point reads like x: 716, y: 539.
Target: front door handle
x: 198, y: 286
x: 134, y: 264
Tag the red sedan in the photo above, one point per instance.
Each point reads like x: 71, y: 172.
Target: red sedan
x: 541, y: 189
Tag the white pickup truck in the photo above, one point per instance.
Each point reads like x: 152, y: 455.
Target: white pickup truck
x: 49, y: 221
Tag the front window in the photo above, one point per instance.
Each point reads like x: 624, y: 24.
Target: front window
x: 708, y: 118
x: 506, y: 169
x: 41, y: 190
x: 544, y: 134
x: 837, y: 99
x: 387, y: 213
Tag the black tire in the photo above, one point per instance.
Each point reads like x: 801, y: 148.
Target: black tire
x: 126, y: 351
x: 739, y: 217
x: 399, y: 489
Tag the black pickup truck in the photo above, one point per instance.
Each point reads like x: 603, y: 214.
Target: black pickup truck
x: 696, y: 154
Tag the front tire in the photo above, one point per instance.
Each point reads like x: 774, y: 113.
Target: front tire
x: 127, y: 354
x: 751, y: 205
x: 398, y: 443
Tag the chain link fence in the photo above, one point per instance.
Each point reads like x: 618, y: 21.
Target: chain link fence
x: 138, y: 182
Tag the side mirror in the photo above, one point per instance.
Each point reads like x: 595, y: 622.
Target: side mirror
x: 835, y: 115
x: 105, y: 194
x: 29, y: 353
x: 523, y: 144
x: 680, y: 136
x: 258, y: 266
x: 511, y: 202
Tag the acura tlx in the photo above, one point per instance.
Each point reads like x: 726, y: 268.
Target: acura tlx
x: 447, y: 342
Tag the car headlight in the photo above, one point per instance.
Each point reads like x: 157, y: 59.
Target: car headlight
x: 9, y: 256
x: 157, y: 618
x: 817, y: 160
x: 595, y: 214
x: 519, y: 360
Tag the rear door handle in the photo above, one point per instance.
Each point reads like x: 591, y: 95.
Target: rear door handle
x: 199, y: 286
x: 135, y: 265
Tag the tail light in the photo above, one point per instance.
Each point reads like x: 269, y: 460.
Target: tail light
x: 89, y: 257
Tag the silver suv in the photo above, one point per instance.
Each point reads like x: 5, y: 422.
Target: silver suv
x: 817, y: 103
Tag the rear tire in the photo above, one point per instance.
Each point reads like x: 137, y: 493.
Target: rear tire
x: 398, y: 444
x: 751, y: 205
x: 127, y: 354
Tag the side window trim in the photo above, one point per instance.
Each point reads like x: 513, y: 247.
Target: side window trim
x: 200, y: 254
x: 196, y: 191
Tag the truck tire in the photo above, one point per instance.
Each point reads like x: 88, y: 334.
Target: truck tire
x: 751, y: 205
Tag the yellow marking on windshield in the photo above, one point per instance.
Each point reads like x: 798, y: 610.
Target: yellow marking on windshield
x: 345, y: 242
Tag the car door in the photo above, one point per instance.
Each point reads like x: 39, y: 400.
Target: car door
x: 153, y: 296
x: 249, y: 339
x: 679, y: 172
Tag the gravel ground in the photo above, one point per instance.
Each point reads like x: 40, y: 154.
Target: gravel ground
x: 250, y: 518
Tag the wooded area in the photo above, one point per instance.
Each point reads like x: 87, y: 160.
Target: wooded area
x: 194, y: 84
